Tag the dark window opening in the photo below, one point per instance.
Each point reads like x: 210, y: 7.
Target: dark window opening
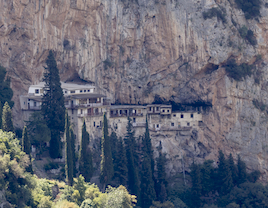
x: 72, y: 111
x: 94, y: 123
x: 34, y: 104
x: 81, y: 90
x: 172, y: 124
x: 134, y: 120
x: 157, y: 108
x: 157, y: 125
x: 37, y: 91
x: 81, y: 111
x: 85, y: 90
x: 188, y: 124
x: 181, y: 115
x: 72, y: 91
x: 174, y: 115
x: 163, y: 111
x: 192, y: 115
x: 168, y: 111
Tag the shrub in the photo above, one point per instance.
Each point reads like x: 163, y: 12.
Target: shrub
x: 251, y: 8
x: 51, y: 166
x: 107, y: 63
x: 215, y: 12
x: 259, y: 105
x: 251, y: 38
x: 243, y: 31
x: 237, y: 72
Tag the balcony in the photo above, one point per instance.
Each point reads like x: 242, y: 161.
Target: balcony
x: 84, y: 105
x: 91, y: 114
x: 139, y: 124
x: 125, y: 115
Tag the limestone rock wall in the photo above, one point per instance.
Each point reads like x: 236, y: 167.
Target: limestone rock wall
x: 135, y: 49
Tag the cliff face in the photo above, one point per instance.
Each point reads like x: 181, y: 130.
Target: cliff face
x: 136, y: 49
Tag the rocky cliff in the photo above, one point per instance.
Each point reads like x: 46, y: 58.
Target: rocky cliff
x: 136, y: 49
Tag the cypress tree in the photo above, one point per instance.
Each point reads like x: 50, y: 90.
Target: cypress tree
x: 196, y: 185
x: 68, y: 152
x: 113, y: 139
x: 120, y: 164
x: 147, y: 184
x: 85, y: 156
x: 242, y: 171
x: 72, y: 137
x: 131, y: 145
x: 233, y: 169
x: 7, y: 124
x: 207, y: 177
x: 107, y: 169
x: 26, y: 146
x: 161, y: 175
x: 225, y: 182
x: 53, y: 108
x: 6, y: 92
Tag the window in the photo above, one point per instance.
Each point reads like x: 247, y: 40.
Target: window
x: 157, y: 108
x: 181, y: 115
x: 168, y: 111
x: 85, y: 90
x: 134, y: 120
x: 188, y: 124
x: 174, y: 115
x: 192, y: 115
x: 150, y: 108
x: 34, y: 104
x: 72, y: 111
x: 88, y: 90
x: 81, y: 90
x: 172, y: 124
x: 72, y: 91
x: 100, y: 123
x: 94, y: 123
x: 81, y: 111
x: 157, y: 125
x: 37, y: 91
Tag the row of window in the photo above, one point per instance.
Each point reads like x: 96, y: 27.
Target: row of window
x: 192, y: 115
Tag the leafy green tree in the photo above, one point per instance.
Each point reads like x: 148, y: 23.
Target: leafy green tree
x: 147, y: 184
x: 242, y: 171
x: 107, y: 169
x: 7, y: 124
x: 196, y: 185
x: 80, y: 186
x: 6, y: 92
x: 132, y: 164
x: 85, y: 155
x: 53, y: 107
x: 68, y: 152
x: 120, y: 164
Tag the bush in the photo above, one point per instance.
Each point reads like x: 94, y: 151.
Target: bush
x: 237, y: 72
x: 51, y: 166
x: 107, y: 63
x: 248, y: 35
x: 251, y: 8
x: 215, y: 12
x: 259, y: 105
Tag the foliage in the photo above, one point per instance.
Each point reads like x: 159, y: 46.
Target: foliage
x: 68, y: 152
x: 6, y: 92
x: 248, y: 35
x: 237, y: 72
x: 196, y: 189
x: 26, y: 146
x: 45, y: 202
x: 50, y: 166
x: 215, y: 12
x: 251, y: 8
x: 120, y: 164
x: 166, y: 204
x: 65, y: 204
x: 38, y: 131
x: 85, y: 156
x: 107, y: 63
x: 242, y: 171
x: 7, y: 124
x: 53, y: 107
x: 258, y: 104
x: 107, y: 169
x: 132, y: 160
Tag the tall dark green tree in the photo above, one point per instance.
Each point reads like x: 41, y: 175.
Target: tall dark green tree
x: 7, y: 124
x: 207, y: 177
x: 120, y: 164
x: 242, y: 171
x: 132, y: 163
x: 161, y: 175
x: 26, y: 146
x: 53, y: 108
x: 107, y: 168
x: 72, y: 137
x: 68, y: 152
x: 147, y: 184
x: 196, y: 185
x: 85, y: 155
x: 6, y: 92
x: 113, y: 141
x: 225, y: 182
x: 233, y: 169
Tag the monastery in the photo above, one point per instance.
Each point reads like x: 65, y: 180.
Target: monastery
x: 83, y: 102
